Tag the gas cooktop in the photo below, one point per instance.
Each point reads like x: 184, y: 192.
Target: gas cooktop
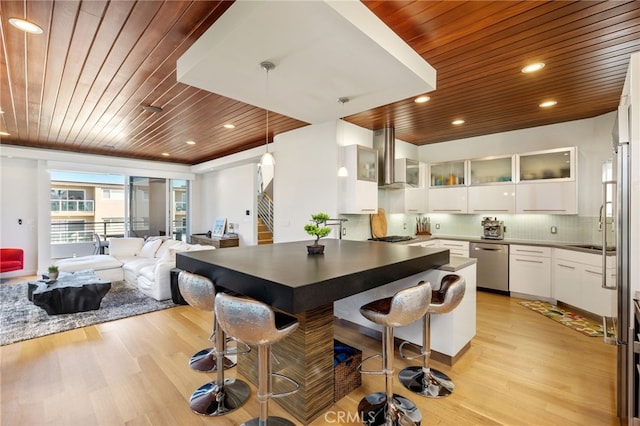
x: 393, y: 238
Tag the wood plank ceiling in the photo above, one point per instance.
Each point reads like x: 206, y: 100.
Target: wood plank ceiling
x: 82, y: 84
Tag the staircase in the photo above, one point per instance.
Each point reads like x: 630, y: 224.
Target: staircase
x: 264, y: 235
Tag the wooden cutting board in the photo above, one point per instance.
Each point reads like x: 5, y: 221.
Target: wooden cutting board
x: 379, y: 224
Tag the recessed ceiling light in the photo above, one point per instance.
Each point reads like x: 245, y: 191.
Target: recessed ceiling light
x: 229, y: 126
x: 547, y: 104
x: 533, y: 67
x: 152, y: 108
x: 457, y: 122
x: 26, y: 26
x: 422, y: 99
x: 191, y: 142
x: 165, y: 154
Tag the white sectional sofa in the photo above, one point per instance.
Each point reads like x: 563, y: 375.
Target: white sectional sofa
x: 145, y: 264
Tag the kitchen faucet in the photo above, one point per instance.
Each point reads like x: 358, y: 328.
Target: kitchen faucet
x: 339, y: 222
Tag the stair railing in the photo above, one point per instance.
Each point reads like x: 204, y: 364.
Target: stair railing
x: 265, y: 210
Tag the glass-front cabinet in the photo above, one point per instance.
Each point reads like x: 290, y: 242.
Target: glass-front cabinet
x: 547, y: 182
x: 447, y: 174
x: 492, y: 187
x: 367, y: 163
x: 359, y: 190
x: 492, y: 170
x: 551, y: 164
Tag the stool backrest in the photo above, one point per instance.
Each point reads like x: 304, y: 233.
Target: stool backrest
x: 249, y: 320
x: 449, y: 295
x: 197, y: 291
x: 405, y: 307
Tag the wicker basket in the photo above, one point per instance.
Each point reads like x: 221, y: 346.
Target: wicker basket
x: 345, y: 374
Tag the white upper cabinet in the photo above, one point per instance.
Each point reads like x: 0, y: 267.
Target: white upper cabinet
x: 447, y: 188
x: 549, y: 165
x: 409, y: 172
x: 452, y: 173
x: 448, y: 200
x: 492, y: 187
x: 413, y: 198
x: 359, y: 190
x: 547, y: 182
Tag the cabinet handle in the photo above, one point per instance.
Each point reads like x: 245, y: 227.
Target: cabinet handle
x: 528, y: 251
x: 368, y: 210
x: 453, y: 245
x: 565, y: 266
x: 544, y: 210
x: 447, y: 210
x: 491, y: 210
x: 529, y: 261
x: 593, y: 272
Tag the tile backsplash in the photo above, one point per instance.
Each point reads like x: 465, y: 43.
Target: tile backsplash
x: 530, y: 227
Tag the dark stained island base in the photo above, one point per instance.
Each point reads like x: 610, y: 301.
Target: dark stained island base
x: 72, y: 292
x: 287, y: 278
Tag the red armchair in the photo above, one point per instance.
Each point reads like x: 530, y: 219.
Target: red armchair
x: 11, y: 259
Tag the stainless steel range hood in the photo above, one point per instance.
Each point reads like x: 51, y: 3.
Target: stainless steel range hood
x: 384, y: 141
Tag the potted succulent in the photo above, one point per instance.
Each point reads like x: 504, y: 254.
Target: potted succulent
x: 315, y: 229
x: 53, y: 272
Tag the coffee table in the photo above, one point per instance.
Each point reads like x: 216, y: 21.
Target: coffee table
x: 72, y: 292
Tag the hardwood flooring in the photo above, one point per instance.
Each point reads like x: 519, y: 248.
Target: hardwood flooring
x: 521, y: 369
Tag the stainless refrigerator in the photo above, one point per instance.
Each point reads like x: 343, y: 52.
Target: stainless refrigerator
x: 615, y: 222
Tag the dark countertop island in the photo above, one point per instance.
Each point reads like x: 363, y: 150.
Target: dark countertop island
x: 287, y: 278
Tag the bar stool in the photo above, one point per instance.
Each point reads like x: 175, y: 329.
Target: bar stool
x: 423, y: 380
x: 405, y: 307
x: 255, y: 323
x: 220, y: 396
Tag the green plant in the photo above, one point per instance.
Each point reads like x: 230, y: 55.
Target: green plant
x: 315, y: 229
x: 53, y: 268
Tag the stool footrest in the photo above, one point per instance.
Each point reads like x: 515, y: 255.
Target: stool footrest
x: 377, y: 372
x: 413, y: 346
x: 290, y: 380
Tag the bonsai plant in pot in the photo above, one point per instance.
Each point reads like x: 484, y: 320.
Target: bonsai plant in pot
x: 53, y: 272
x: 315, y: 229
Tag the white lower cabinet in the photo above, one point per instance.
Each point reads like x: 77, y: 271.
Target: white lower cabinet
x: 456, y: 248
x: 577, y: 281
x: 530, y: 270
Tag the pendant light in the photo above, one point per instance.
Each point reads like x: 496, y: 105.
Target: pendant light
x: 4, y: 131
x: 342, y: 171
x: 267, y: 159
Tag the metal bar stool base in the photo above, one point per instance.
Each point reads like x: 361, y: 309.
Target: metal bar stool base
x: 232, y: 395
x: 372, y: 410
x: 205, y: 361
x: 271, y: 421
x: 435, y: 385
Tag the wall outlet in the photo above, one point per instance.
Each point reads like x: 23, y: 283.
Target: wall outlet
x: 344, y: 232
x: 404, y: 226
x: 437, y: 226
x: 554, y: 229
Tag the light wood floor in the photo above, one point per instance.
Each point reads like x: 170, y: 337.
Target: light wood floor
x: 521, y: 369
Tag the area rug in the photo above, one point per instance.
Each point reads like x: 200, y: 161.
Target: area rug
x: 565, y: 317
x: 21, y: 320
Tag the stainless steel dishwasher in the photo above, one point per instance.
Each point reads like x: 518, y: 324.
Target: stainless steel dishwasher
x: 492, y: 269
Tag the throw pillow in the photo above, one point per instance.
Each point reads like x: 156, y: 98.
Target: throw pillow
x: 149, y: 248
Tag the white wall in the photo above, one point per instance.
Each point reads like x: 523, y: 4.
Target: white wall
x: 228, y: 193
x: 17, y: 179
x: 305, y: 179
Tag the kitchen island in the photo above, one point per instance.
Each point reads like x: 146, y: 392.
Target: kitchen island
x: 285, y: 277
